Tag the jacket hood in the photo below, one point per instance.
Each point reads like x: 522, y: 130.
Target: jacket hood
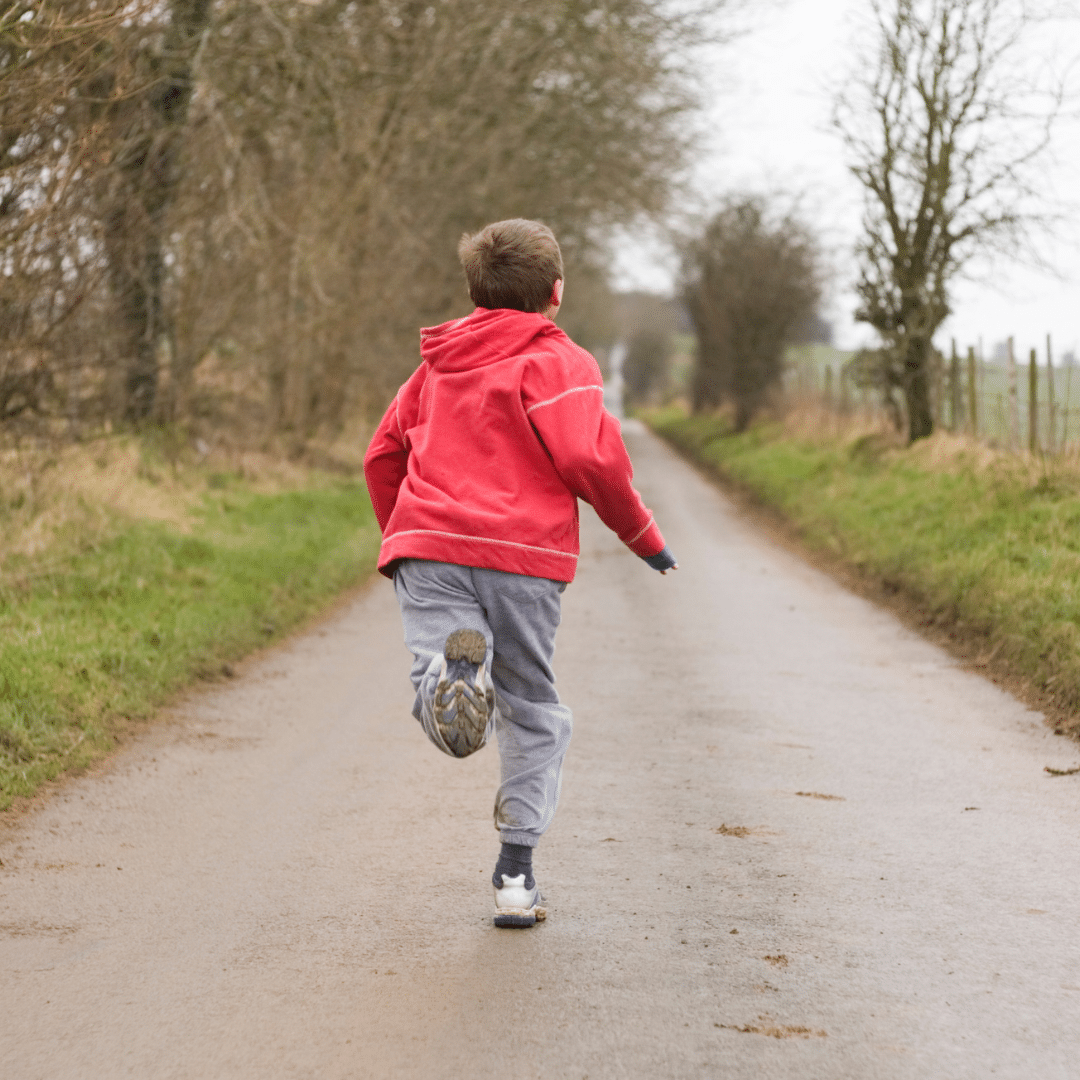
x: 484, y: 337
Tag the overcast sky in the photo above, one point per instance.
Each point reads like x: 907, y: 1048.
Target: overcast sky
x: 770, y: 102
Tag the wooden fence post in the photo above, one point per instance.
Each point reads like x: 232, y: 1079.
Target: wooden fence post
x: 1033, y: 402
x: 1051, y: 405
x: 937, y: 404
x: 1065, y: 408
x: 956, y: 393
x: 973, y: 400
x: 1014, y: 404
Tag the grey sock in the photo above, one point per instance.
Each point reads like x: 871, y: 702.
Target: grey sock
x: 514, y: 859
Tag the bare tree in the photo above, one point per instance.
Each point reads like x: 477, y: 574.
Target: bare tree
x: 63, y: 63
x: 250, y: 205
x: 350, y: 143
x: 941, y: 132
x: 648, y: 324
x: 749, y: 282
x: 148, y: 145
x: 647, y: 368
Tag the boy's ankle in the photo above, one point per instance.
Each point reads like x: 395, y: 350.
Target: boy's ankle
x: 514, y: 859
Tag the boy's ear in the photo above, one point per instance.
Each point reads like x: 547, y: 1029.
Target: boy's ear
x: 556, y: 293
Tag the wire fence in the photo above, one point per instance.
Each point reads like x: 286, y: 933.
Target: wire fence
x: 1022, y: 403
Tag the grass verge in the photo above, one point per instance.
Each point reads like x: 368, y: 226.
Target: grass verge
x: 103, y: 625
x: 983, y: 547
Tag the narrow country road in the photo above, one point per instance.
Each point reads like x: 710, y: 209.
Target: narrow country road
x: 795, y: 841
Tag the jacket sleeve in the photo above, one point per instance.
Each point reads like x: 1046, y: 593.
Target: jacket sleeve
x: 586, y: 447
x: 385, y: 464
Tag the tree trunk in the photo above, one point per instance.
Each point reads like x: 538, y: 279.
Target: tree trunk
x: 917, y: 391
x: 148, y: 169
x: 137, y: 273
x: 744, y: 413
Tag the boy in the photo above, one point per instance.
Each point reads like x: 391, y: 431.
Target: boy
x: 475, y: 473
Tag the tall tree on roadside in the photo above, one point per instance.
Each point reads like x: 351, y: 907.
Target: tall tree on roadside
x: 941, y: 131
x: 749, y: 281
x: 145, y: 176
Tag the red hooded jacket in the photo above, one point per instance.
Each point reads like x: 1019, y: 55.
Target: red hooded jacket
x: 482, y: 455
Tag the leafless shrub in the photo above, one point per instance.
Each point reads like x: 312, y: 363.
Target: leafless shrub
x: 749, y: 280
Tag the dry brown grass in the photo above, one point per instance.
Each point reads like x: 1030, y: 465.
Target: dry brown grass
x: 64, y: 496
x: 808, y: 420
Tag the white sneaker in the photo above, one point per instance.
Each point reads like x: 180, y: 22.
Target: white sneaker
x: 517, y: 906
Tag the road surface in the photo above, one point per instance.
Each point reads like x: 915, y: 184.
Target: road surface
x: 795, y: 841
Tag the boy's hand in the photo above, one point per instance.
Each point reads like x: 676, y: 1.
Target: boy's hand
x: 663, y: 573
x: 662, y: 561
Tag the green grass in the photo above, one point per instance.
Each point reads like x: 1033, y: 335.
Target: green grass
x: 986, y: 545
x: 91, y: 637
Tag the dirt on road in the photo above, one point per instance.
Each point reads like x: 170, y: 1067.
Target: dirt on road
x: 795, y: 841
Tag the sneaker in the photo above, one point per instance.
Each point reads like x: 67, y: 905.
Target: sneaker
x: 464, y: 695
x: 517, y: 905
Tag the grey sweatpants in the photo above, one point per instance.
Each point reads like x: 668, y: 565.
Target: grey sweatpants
x: 518, y: 617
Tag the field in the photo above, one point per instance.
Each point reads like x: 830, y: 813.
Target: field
x: 124, y: 576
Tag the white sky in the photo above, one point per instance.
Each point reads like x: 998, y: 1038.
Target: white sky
x: 770, y: 103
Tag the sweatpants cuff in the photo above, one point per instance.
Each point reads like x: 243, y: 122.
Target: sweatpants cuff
x: 527, y: 839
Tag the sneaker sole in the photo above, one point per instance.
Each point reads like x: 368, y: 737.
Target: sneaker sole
x: 519, y: 918
x: 465, y: 735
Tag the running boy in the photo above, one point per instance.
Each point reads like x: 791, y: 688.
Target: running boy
x: 475, y: 473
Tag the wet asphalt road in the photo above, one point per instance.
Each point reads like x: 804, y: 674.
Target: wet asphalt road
x: 795, y: 841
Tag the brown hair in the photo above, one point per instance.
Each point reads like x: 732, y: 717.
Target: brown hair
x: 511, y: 264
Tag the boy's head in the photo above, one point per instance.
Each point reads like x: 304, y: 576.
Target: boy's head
x: 513, y: 264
